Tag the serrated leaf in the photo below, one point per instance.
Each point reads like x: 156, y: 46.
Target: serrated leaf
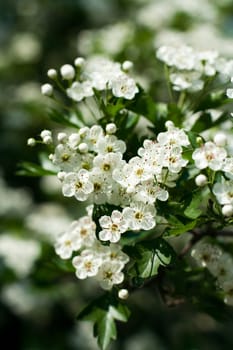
x: 150, y: 255
x: 119, y: 312
x: 105, y: 331
x: 177, y: 227
x: 103, y: 312
x: 193, y: 210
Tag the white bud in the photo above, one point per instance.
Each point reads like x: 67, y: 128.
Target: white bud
x: 79, y: 61
x: 111, y: 128
x: 123, y: 293
x: 61, y: 136
x: 31, y: 142
x: 61, y: 175
x: 83, y: 131
x: 52, y: 73
x: 45, y: 133
x: 83, y: 147
x: 220, y: 139
x: 67, y: 72
x: 227, y: 210
x: 51, y: 156
x: 169, y: 124
x: 74, y: 140
x: 201, y: 180
x: 127, y: 65
x: 47, y: 139
x: 47, y: 89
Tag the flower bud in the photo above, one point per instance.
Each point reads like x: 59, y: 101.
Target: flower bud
x: 47, y: 90
x: 127, y: 65
x: 83, y: 147
x: 169, y: 124
x: 47, y: 139
x: 67, y: 72
x: 220, y: 139
x: 61, y: 175
x: 201, y: 180
x: 61, y: 136
x: 227, y: 210
x: 123, y: 294
x: 45, y: 133
x: 111, y: 128
x: 52, y: 73
x: 79, y: 61
x: 31, y: 142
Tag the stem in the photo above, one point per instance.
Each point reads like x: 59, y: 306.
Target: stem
x: 169, y: 87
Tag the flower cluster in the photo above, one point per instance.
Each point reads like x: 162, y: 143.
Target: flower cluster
x: 127, y: 193
x: 189, y: 69
x: 97, y: 73
x: 91, y: 168
x: 19, y: 254
x: 219, y: 263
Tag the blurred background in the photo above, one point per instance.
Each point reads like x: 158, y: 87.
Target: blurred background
x: 38, y: 303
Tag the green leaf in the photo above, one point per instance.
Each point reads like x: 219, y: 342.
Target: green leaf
x: 31, y: 169
x: 177, y: 227
x: 105, y: 331
x: 149, y: 255
x: 70, y: 120
x: 103, y: 312
x: 193, y: 210
x: 205, y: 121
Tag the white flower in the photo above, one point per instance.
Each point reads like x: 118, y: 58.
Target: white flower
x: 66, y: 244
x: 183, y: 57
x: 173, y: 137
x: 77, y: 184
x: 78, y: 91
x: 110, y: 143
x: 106, y: 163
x: 229, y: 93
x: 140, y: 216
x: 190, y: 81
x: 228, y: 167
x: 148, y: 192
x: 110, y: 274
x: 19, y: 254
x: 123, y: 86
x: 81, y: 233
x: 136, y: 171
x: 101, y: 187
x: 66, y: 158
x: 152, y: 154
x: 113, y: 226
x: 209, y: 155
x: 222, y: 268
x: 87, y: 264
x: 173, y: 160
x: 224, y: 192
x: 206, y: 254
